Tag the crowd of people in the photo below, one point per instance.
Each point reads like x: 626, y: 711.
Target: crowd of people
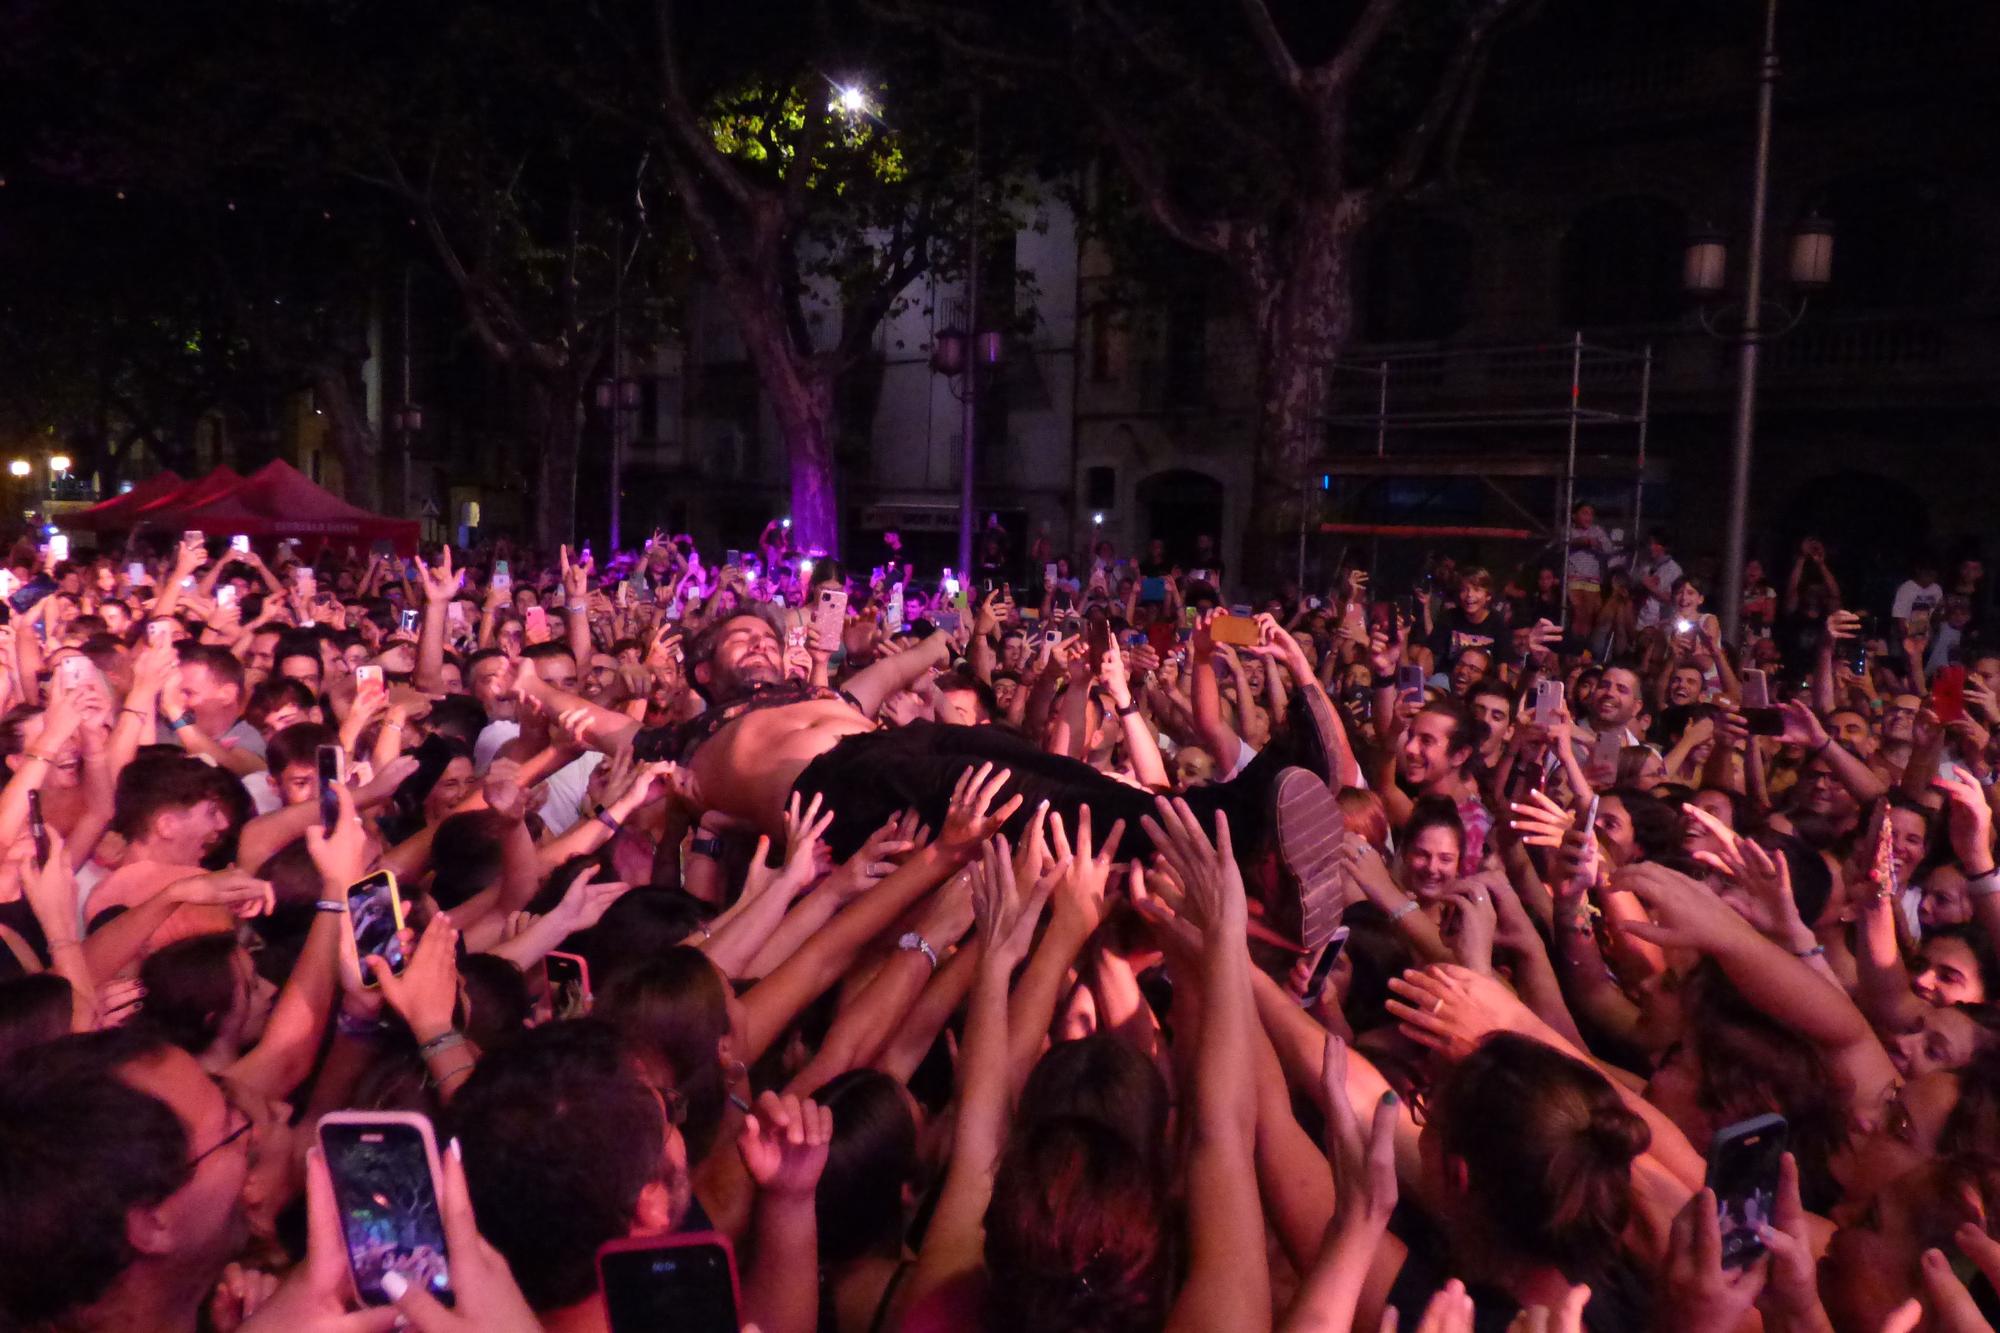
x: 1087, y: 945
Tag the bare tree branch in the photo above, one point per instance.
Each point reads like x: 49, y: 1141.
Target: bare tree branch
x: 1337, y: 73
x: 1146, y: 172
x: 686, y: 124
x: 1272, y: 42
x: 1440, y: 111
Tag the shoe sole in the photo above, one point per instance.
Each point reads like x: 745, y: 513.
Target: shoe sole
x: 1310, y: 825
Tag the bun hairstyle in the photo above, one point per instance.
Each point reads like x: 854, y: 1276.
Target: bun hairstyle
x: 1548, y: 1150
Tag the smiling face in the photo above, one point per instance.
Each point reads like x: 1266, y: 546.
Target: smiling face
x: 1427, y: 756
x: 1431, y: 862
x: 747, y: 653
x: 1615, y: 701
x: 1949, y: 973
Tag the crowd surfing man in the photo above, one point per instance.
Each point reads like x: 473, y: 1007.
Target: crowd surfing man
x: 969, y: 960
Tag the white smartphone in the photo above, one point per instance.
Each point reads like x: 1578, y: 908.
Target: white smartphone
x: 368, y: 674
x: 73, y: 671
x: 240, y: 544
x: 59, y: 546
x: 1548, y: 702
x: 225, y: 595
x: 1756, y: 688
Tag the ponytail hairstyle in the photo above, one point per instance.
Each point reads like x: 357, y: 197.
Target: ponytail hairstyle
x: 1548, y: 1150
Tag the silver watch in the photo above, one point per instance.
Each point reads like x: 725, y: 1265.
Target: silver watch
x: 913, y: 942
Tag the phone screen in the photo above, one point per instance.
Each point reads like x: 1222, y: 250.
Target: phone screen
x: 1743, y: 1172
x: 409, y: 620
x: 1324, y: 967
x: 332, y: 762
x: 376, y: 912
x: 690, y: 1288
x: 569, y: 985
x: 388, y: 1205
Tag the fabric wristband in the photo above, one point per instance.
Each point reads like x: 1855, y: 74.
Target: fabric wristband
x: 1983, y: 886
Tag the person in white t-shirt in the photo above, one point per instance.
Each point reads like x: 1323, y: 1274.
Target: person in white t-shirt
x: 1655, y: 575
x: 1920, y: 592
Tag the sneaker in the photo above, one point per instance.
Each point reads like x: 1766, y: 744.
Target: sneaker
x: 1309, y: 829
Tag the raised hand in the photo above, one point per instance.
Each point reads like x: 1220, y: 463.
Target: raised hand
x: 1207, y: 870
x: 1080, y: 894
x: 1696, y: 1291
x: 585, y: 901
x: 1540, y: 821
x: 342, y: 855
x: 1451, y: 1009
x: 1685, y: 914
x: 1364, y: 1163
x: 1971, y: 821
x: 441, y: 582
x: 423, y: 996
x: 971, y: 819
x: 1005, y: 912
x: 1765, y: 880
x: 784, y: 1144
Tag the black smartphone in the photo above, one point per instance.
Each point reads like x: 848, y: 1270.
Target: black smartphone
x: 1857, y: 647
x: 38, y: 828
x: 332, y: 772
x: 684, y: 1282
x: 1743, y: 1165
x: 1409, y: 684
x: 1764, y: 721
x: 1328, y: 956
x: 568, y: 978
x: 375, y: 913
x: 385, y: 1173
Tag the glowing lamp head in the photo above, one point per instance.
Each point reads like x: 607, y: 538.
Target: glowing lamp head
x: 19, y: 467
x: 853, y: 101
x: 59, y: 463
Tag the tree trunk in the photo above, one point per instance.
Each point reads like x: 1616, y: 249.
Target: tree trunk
x: 556, y: 425
x: 353, y: 441
x: 805, y: 413
x: 1302, y: 293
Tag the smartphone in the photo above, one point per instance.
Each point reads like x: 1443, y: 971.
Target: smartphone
x: 385, y: 1173
x: 1764, y: 721
x: 1048, y: 576
x: 1857, y: 648
x: 892, y: 612
x: 1052, y: 637
x: 375, y: 913
x: 225, y: 595
x: 195, y: 537
x: 1604, y: 750
x: 240, y: 544
x: 367, y: 674
x: 73, y: 671
x: 1743, y: 1164
x: 501, y: 578
x: 1236, y: 630
x: 408, y: 620
x: 454, y: 617
x: 1756, y: 688
x: 307, y: 581
x: 1548, y: 702
x: 568, y: 979
x: 537, y: 622
x: 59, y: 546
x: 1683, y: 627
x: 136, y: 573
x: 1329, y: 954
x: 1409, y: 684
x: 624, y: 593
x: 830, y: 615
x: 686, y: 1282
x: 38, y: 828
x: 1097, y: 638
x: 160, y: 633
x: 1152, y: 590
x: 732, y: 559
x: 332, y: 767
x: 1948, y: 693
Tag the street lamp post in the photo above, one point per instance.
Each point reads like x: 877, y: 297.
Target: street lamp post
x: 1704, y: 275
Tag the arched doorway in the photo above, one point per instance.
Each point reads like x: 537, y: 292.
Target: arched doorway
x: 1180, y: 505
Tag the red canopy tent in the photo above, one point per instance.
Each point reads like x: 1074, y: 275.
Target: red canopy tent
x: 164, y: 510
x: 117, y: 512
x: 277, y: 500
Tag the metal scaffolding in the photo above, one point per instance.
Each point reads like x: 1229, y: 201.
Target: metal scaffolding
x: 1518, y: 419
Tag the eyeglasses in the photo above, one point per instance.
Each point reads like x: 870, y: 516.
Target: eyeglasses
x: 232, y: 1136
x: 673, y: 1105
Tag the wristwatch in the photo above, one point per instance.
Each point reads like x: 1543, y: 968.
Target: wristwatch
x: 706, y: 844
x: 915, y: 943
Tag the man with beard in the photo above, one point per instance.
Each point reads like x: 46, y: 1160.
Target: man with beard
x: 764, y: 738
